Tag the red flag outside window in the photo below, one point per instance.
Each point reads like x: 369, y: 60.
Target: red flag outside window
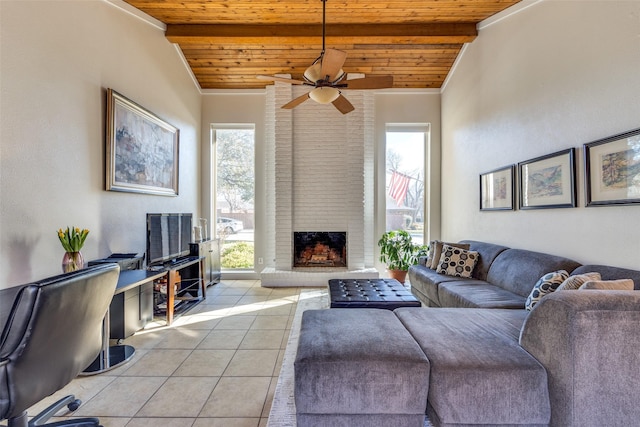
x: 398, y: 187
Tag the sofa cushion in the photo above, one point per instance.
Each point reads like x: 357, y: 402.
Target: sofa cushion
x: 355, y: 362
x: 474, y: 293
x: 518, y: 270
x: 457, y: 262
x: 609, y: 285
x: 487, y: 253
x: 544, y: 286
x: 426, y: 281
x: 479, y: 373
x: 575, y: 281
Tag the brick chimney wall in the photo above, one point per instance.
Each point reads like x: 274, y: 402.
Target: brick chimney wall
x: 320, y: 169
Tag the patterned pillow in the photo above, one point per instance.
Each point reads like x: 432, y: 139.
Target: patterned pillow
x: 437, y: 251
x: 610, y: 285
x: 432, y: 249
x: 574, y: 282
x: 457, y: 262
x: 545, y: 285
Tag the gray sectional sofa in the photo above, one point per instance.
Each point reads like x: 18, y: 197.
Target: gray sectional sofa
x: 574, y: 360
x: 502, y: 278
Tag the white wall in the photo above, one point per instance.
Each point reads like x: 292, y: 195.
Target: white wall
x: 57, y: 59
x: 556, y: 75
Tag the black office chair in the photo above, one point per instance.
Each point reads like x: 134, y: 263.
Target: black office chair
x: 52, y: 333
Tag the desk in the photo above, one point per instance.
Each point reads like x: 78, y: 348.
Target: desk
x: 112, y: 356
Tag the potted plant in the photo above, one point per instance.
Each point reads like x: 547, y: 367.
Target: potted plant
x: 399, y: 253
x: 72, y: 240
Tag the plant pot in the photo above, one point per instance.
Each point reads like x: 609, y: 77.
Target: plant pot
x: 399, y: 275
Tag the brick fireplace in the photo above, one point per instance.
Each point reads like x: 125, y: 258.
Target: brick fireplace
x: 319, y: 249
x: 320, y: 174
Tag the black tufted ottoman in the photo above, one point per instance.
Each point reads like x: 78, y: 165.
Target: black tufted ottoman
x: 370, y: 293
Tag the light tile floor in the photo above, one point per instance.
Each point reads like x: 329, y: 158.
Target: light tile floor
x: 217, y: 365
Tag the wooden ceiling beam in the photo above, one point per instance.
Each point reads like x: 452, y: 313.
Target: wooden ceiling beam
x: 252, y: 71
x: 428, y: 33
x: 309, y: 56
x: 199, y: 64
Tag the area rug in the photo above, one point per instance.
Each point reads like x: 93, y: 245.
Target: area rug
x: 283, y: 408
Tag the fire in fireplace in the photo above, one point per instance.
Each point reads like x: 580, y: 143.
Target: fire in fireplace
x: 319, y: 249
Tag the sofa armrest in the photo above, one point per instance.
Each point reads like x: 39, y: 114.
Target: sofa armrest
x: 589, y: 342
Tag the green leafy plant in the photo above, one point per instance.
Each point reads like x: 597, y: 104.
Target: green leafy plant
x: 237, y: 255
x: 72, y: 238
x: 397, y: 250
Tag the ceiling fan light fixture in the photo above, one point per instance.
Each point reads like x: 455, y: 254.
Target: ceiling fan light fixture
x: 326, y: 76
x: 324, y: 95
x: 341, y: 75
x: 314, y: 72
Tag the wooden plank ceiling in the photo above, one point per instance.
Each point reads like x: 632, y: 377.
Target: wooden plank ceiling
x: 227, y: 43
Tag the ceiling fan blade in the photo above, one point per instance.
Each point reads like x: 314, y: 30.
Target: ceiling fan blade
x: 281, y: 79
x: 373, y: 82
x: 332, y: 62
x: 343, y: 105
x: 296, y: 101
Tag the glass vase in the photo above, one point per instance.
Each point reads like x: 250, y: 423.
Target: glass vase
x: 72, y: 261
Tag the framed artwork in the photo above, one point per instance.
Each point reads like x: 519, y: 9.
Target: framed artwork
x: 612, y: 170
x: 497, y: 189
x: 142, y: 149
x: 548, y: 181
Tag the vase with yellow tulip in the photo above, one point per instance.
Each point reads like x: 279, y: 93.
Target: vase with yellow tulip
x: 72, y: 240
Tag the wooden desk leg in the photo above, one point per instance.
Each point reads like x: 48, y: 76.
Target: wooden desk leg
x: 203, y: 282
x: 171, y: 287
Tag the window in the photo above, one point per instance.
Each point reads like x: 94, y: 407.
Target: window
x: 234, y: 194
x: 405, y: 179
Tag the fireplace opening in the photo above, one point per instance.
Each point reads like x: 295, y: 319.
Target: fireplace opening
x: 319, y: 249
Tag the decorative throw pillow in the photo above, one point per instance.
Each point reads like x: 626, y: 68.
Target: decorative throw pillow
x: 544, y: 286
x: 610, y: 285
x: 457, y: 262
x: 574, y: 282
x: 432, y: 248
x: 437, y: 251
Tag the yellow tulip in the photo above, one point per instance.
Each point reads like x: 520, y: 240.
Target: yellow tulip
x: 72, y: 238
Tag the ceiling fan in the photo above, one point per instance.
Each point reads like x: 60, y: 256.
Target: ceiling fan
x: 327, y: 78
